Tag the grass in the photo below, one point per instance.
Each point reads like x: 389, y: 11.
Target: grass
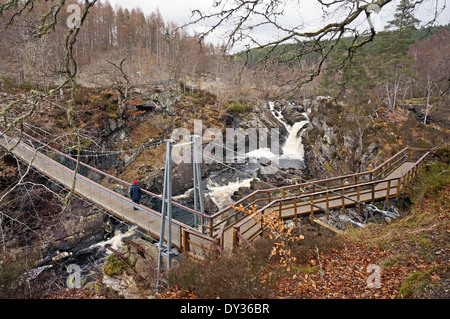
x: 237, y: 108
x: 226, y: 276
x: 420, y: 232
x: 416, y: 283
x: 114, y: 266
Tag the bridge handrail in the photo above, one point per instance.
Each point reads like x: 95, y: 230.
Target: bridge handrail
x: 81, y: 177
x: 182, y: 227
x: 112, y: 177
x: 215, y: 242
x: 318, y: 193
x: 253, y: 195
x: 307, y: 183
x: 408, y: 173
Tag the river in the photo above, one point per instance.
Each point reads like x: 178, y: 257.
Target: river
x: 292, y: 156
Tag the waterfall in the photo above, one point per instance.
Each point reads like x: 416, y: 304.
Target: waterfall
x: 221, y: 190
x: 293, y: 147
x: 117, y: 240
x: 277, y: 114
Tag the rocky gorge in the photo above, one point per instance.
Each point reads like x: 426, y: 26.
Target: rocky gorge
x: 127, y: 141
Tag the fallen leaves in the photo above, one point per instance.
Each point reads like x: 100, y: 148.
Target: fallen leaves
x: 80, y: 294
x: 344, y: 274
x: 177, y: 293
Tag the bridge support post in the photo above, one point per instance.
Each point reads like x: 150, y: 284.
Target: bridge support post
x: 165, y: 247
x: 198, y: 189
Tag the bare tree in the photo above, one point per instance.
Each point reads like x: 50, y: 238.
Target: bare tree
x: 432, y: 68
x: 245, y: 20
x: 48, y: 23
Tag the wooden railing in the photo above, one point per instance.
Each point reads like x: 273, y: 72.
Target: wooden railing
x: 355, y: 194
x: 230, y: 215
x: 300, y: 199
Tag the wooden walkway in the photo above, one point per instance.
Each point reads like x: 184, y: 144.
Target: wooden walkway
x: 321, y: 200
x: 226, y: 229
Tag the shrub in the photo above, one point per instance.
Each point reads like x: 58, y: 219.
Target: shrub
x: 430, y: 182
x: 13, y: 275
x: 320, y: 239
x: 114, y: 266
x: 225, y: 276
x: 237, y: 108
x: 246, y: 273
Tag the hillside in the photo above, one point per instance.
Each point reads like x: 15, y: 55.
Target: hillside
x: 253, y: 56
x: 411, y: 254
x: 151, y: 115
x: 130, y: 80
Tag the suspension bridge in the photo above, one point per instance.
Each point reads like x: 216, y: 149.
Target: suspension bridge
x: 193, y: 231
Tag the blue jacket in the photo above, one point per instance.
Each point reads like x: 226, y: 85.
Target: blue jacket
x: 135, y: 193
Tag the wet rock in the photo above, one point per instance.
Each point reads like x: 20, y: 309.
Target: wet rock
x: 210, y: 206
x: 241, y: 192
x: 143, y: 268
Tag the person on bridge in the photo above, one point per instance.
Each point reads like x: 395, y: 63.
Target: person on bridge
x: 135, y: 193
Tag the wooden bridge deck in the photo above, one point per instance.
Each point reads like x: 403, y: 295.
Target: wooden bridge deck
x: 335, y: 200
x: 225, y: 229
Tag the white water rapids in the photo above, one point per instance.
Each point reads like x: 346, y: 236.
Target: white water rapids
x: 220, y: 191
x: 221, y: 195
x: 291, y: 150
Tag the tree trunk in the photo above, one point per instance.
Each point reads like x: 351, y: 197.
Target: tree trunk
x: 429, y: 90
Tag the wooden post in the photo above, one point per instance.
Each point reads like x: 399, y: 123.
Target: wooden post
x: 235, y: 238
x: 328, y: 204
x: 358, y: 198
x: 220, y: 238
x: 373, y: 192
x: 388, y: 191
x: 211, y: 230
x: 185, y: 241
x: 295, y: 212
x: 312, y: 208
x: 280, y: 208
x: 203, y: 224
x: 399, y: 183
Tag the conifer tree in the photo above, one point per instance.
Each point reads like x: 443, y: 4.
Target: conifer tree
x: 392, y: 62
